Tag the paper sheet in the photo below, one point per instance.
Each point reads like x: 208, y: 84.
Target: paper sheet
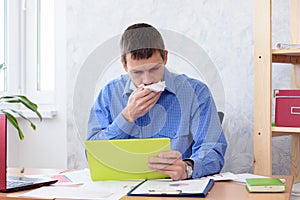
x: 80, y: 186
x: 79, y: 176
x: 226, y: 176
x: 112, y: 190
x: 241, y: 178
x: 67, y: 192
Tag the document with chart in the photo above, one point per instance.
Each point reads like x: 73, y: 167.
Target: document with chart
x: 168, y: 187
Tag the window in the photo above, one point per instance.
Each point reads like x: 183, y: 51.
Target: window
x: 39, y: 50
x: 28, y: 49
x: 45, y: 40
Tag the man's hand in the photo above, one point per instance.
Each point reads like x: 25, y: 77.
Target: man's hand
x: 139, y: 103
x: 169, y: 163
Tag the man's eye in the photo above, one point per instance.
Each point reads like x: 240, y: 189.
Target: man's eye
x: 154, y: 69
x: 137, y: 72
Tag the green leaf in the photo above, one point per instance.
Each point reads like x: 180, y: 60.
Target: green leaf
x: 15, y: 123
x: 25, y: 118
x: 2, y: 66
x: 23, y: 100
x: 19, y: 99
x: 30, y: 105
x: 9, y: 99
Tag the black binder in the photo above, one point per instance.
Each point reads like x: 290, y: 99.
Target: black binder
x: 167, y: 187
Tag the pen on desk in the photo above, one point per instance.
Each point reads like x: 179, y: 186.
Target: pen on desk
x: 65, y: 170
x: 22, y: 170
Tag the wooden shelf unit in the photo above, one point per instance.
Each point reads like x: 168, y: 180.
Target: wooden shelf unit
x: 264, y: 56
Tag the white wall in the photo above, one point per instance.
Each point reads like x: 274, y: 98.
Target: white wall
x: 223, y: 29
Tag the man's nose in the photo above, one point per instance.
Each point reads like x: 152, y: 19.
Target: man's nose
x: 147, y: 80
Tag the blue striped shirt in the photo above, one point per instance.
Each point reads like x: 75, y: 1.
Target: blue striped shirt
x: 185, y: 112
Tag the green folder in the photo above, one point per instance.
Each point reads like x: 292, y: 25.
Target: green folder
x: 125, y: 159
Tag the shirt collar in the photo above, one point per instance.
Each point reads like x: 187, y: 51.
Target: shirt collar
x: 129, y: 87
x: 169, y: 78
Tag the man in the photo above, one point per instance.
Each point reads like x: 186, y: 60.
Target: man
x: 184, y: 111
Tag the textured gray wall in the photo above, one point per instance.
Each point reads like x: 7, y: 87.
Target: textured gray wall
x: 222, y: 29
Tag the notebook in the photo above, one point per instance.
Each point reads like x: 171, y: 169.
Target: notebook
x: 125, y: 159
x: 265, y: 185
x: 12, y: 183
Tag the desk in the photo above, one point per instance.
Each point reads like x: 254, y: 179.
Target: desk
x: 226, y: 190
x: 230, y: 190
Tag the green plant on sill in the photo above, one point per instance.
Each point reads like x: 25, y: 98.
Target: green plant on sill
x: 18, y: 99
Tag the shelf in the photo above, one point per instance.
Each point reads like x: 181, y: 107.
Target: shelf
x: 284, y: 131
x: 293, y: 52
x: 286, y: 56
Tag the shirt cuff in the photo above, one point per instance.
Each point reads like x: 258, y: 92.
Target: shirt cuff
x: 197, y: 170
x: 124, y: 125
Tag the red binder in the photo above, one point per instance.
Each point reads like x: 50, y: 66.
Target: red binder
x: 287, y: 108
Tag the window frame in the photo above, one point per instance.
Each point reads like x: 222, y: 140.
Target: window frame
x: 21, y: 55
x: 31, y: 61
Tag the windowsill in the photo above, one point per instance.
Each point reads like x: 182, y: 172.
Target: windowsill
x: 46, y: 114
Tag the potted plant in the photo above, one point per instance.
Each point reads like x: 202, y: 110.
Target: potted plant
x: 12, y: 113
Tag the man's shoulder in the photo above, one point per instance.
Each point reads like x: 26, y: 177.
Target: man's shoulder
x: 115, y: 86
x: 118, y: 82
x: 181, y: 79
x: 188, y: 86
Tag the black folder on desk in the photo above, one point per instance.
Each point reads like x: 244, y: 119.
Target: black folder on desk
x: 168, y: 187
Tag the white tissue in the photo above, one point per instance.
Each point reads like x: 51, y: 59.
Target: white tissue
x: 156, y: 87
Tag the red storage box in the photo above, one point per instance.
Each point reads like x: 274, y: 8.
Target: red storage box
x: 287, y: 108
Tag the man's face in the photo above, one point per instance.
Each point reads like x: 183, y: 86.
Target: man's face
x: 146, y: 71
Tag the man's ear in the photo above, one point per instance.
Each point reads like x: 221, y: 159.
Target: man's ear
x: 166, y: 57
x: 124, y: 64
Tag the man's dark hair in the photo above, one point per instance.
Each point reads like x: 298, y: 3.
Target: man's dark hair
x: 141, y: 41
